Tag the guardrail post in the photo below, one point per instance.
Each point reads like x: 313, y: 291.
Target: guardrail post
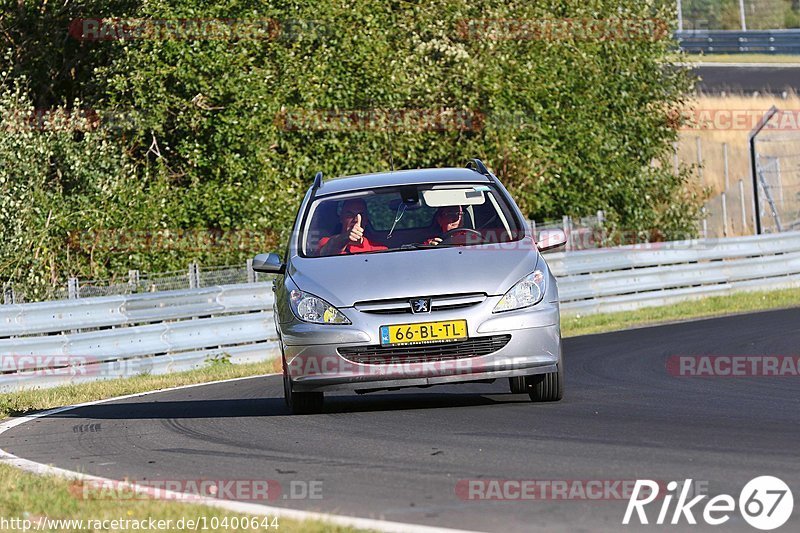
x: 251, y: 274
x: 194, y: 276
x: 73, y: 289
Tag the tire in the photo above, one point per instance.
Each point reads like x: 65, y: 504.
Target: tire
x: 301, y: 403
x: 546, y: 387
x: 517, y: 385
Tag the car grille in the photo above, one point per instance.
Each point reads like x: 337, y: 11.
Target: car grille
x: 403, y: 305
x: 424, y: 353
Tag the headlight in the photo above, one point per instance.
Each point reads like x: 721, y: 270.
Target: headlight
x: 526, y: 292
x: 310, y: 308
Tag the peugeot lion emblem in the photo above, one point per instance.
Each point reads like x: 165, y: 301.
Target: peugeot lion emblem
x: 421, y: 305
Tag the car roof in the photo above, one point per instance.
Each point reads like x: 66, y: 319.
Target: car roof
x: 399, y: 177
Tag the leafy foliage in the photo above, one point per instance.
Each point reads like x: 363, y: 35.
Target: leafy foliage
x: 572, y: 121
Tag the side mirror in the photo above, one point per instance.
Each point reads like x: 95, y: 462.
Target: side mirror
x: 268, y: 264
x: 549, y: 239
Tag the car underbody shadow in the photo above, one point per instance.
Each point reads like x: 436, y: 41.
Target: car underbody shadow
x: 140, y: 409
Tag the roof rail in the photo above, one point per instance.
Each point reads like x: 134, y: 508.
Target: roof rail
x: 478, y: 166
x: 317, y: 183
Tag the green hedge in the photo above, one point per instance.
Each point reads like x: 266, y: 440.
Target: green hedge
x: 218, y: 134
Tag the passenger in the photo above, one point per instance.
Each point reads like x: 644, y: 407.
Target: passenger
x: 351, y: 240
x: 447, y: 218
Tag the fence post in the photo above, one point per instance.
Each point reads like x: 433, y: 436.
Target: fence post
x: 705, y: 222
x: 675, y: 161
x: 194, y: 276
x: 724, y: 215
x: 73, y: 289
x: 601, y: 226
x: 742, y: 17
x: 133, y: 280
x: 8, y: 295
x: 566, y: 223
x: 744, y: 211
x: 725, y: 161
x: 251, y: 274
x: 699, y: 143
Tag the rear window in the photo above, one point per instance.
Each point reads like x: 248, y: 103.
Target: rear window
x: 394, y: 219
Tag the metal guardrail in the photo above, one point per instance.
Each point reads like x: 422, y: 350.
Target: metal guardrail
x: 122, y: 310
x: 736, y: 41
x: 631, y: 277
x: 69, y: 341
x: 51, y: 343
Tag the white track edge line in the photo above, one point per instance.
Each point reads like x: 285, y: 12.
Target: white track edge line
x: 228, y: 505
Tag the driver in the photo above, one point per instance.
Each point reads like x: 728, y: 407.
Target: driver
x: 351, y: 240
x: 447, y: 218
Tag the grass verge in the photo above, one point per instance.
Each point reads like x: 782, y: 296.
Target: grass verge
x: 572, y: 325
x: 27, y: 401
x: 26, y: 496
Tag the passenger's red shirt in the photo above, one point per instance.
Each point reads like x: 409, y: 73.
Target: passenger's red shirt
x: 356, y: 248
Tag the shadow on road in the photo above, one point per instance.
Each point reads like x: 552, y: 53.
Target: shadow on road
x: 244, y: 408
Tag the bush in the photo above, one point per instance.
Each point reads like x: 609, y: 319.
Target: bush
x: 571, y: 123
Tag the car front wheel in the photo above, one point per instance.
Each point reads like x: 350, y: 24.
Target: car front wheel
x: 546, y: 387
x: 301, y: 403
x: 517, y: 385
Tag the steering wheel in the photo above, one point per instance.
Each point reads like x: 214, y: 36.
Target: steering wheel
x: 449, y: 235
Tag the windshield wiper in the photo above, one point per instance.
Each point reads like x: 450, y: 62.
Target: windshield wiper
x: 422, y: 246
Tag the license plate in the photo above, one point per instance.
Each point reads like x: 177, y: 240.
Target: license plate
x: 424, y: 332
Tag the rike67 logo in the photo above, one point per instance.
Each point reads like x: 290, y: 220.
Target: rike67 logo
x: 765, y: 503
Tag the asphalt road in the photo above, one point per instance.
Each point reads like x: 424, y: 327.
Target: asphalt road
x: 400, y: 455
x: 748, y: 79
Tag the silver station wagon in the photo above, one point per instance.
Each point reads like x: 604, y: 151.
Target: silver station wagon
x: 411, y: 279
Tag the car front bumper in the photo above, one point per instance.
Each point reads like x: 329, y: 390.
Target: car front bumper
x: 314, y: 363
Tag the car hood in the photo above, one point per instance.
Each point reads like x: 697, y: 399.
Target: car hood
x: 343, y: 280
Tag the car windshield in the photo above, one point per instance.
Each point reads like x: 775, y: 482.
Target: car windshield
x: 392, y: 219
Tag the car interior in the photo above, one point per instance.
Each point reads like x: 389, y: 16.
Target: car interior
x: 395, y: 223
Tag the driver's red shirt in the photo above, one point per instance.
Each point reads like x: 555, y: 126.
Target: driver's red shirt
x: 356, y: 248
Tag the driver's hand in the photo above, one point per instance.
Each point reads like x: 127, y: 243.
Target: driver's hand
x: 434, y: 241
x: 356, y: 233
